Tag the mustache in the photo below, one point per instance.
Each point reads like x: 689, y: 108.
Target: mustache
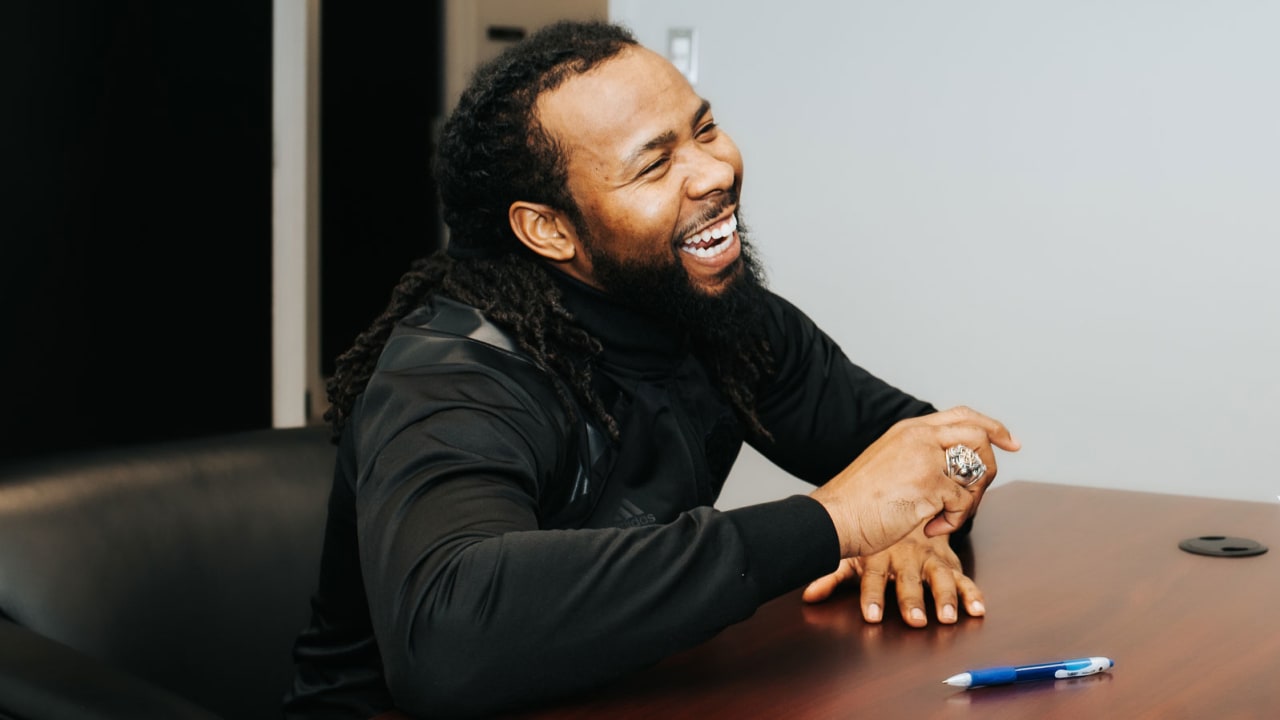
x: 711, y: 213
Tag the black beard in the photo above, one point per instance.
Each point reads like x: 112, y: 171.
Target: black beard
x: 722, y: 322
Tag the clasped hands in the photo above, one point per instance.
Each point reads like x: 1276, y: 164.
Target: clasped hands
x: 894, y: 508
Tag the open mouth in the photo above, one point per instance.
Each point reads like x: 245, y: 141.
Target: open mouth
x: 713, y: 241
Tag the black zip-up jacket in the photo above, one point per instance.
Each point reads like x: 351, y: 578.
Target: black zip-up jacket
x: 485, y: 549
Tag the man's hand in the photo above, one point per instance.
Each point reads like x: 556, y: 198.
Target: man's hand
x: 899, y: 483
x: 911, y: 563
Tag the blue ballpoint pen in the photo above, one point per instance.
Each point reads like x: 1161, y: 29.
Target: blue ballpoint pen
x: 1039, y: 671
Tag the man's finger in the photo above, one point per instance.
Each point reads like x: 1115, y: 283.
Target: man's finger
x: 942, y: 582
x: 875, y: 576
x: 971, y: 596
x: 910, y: 589
x: 995, y: 430
x: 956, y: 503
x: 821, y: 589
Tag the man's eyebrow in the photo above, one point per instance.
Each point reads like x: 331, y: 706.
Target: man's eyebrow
x: 703, y: 109
x: 667, y: 137
x: 662, y: 140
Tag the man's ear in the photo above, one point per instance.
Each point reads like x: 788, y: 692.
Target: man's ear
x: 543, y: 230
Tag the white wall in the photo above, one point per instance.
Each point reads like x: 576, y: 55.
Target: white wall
x: 1065, y: 214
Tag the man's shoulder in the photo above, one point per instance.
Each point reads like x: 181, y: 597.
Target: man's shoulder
x: 447, y: 331
x: 450, y: 320
x: 447, y: 337
x: 450, y: 352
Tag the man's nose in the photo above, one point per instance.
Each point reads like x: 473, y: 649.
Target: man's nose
x: 708, y: 173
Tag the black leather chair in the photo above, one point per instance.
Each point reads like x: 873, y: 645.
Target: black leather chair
x: 161, y: 581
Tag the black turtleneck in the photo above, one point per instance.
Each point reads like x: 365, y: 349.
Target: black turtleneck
x: 629, y: 338
x: 508, y: 553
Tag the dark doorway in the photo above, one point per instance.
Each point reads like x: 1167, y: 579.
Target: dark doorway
x: 136, y: 221
x: 135, y: 207
x: 381, y: 98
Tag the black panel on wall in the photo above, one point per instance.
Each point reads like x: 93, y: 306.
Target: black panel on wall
x: 381, y: 78
x: 135, y: 221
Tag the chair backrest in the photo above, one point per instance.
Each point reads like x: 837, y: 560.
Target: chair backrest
x: 189, y: 564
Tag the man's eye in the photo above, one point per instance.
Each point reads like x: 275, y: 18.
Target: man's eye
x: 657, y: 165
x: 708, y: 129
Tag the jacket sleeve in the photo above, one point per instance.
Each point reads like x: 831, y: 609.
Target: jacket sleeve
x: 820, y: 408
x: 476, y: 607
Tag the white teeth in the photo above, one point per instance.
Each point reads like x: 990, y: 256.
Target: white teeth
x: 723, y: 230
x: 708, y: 252
x: 696, y: 244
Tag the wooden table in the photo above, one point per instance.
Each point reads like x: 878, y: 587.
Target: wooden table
x: 1068, y: 572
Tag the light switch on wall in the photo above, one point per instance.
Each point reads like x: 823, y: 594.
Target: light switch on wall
x: 682, y: 51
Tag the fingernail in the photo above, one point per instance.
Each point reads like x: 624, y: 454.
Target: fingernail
x: 976, y: 607
x: 948, y: 612
x: 873, y: 612
x: 917, y: 614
